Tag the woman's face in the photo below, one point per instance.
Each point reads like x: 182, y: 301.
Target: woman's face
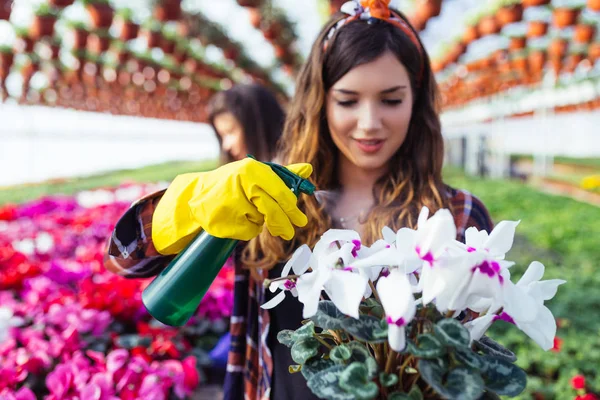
x: 232, y: 135
x: 369, y: 111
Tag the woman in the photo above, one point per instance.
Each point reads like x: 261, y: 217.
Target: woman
x: 364, y: 116
x: 248, y: 120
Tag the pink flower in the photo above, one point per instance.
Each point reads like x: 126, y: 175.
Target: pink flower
x: 100, y: 387
x: 22, y: 394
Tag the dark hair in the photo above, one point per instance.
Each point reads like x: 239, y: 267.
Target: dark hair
x: 258, y: 112
x: 415, y: 178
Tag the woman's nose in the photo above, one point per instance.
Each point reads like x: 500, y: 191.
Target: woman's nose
x: 369, y: 118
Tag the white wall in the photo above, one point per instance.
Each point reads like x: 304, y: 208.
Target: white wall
x: 40, y: 143
x: 572, y: 134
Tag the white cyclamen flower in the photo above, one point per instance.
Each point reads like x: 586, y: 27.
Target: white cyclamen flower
x: 399, y: 305
x: 299, y: 263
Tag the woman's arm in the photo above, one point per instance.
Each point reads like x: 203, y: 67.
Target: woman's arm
x: 130, y: 251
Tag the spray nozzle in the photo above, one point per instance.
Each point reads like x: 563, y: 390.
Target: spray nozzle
x: 296, y: 183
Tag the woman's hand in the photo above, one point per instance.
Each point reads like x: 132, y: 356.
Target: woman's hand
x: 233, y: 201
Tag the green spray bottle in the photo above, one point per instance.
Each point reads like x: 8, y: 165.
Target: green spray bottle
x: 175, y: 294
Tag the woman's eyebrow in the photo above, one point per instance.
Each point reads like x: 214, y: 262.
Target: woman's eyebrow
x: 385, y: 91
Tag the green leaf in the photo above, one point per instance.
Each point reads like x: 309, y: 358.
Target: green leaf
x: 372, y: 367
x: 314, y: 366
x: 453, y: 333
x: 398, y: 396
x: 490, y: 396
x: 502, y: 377
x: 292, y: 369
x: 285, y: 337
x: 415, y: 393
x: 324, y: 384
x: 372, y: 307
x: 355, y: 379
x: 388, y: 380
x: 461, y: 383
x: 428, y: 347
x: 328, y: 316
x: 305, y: 349
x: 359, y: 351
x: 304, y: 331
x: 340, y: 353
x: 469, y: 358
x: 367, y: 328
x: 495, y: 349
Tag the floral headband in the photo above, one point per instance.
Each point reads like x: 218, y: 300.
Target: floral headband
x: 371, y: 10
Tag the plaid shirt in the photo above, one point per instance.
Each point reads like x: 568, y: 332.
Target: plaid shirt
x: 131, y: 254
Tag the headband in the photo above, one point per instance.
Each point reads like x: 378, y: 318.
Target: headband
x: 370, y: 11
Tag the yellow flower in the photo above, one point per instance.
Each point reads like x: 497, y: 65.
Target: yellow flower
x: 591, y: 182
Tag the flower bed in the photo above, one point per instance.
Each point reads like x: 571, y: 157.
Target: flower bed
x: 69, y: 329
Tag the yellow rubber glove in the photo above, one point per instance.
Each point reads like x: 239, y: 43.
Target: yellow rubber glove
x: 233, y: 201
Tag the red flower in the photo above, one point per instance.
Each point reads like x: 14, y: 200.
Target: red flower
x: 578, y: 382
x: 8, y: 212
x: 191, y: 377
x: 587, y: 396
x: 557, y: 345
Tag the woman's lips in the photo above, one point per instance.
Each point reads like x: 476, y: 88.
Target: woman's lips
x: 370, y: 145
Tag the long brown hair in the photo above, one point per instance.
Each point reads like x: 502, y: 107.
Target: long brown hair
x: 415, y: 177
x: 258, y: 112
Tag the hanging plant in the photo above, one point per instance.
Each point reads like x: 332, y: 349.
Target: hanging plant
x: 509, y: 11
x: 538, y: 20
x: 565, y: 12
x: 98, y: 41
x: 55, y: 46
x: 5, y: 9
x: 152, y: 31
x: 585, y: 28
x: 60, y: 3
x: 167, y: 10
x: 536, y: 58
x: 100, y: 12
x: 471, y: 34
x: 488, y: 24
x: 558, y: 47
x: 43, y: 21
x: 168, y: 38
x: 129, y: 29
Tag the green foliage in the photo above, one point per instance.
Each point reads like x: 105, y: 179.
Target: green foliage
x: 561, y: 233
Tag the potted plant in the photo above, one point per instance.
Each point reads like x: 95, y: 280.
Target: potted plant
x: 517, y: 35
x: 98, y: 41
x: 168, y: 38
x: 100, y: 12
x: 538, y: 19
x: 43, y: 21
x: 60, y: 3
x: 509, y: 11
x: 536, y: 55
x: 129, y: 29
x: 565, y: 12
x: 167, y: 10
x: 152, y: 30
x: 585, y: 28
x: 5, y: 9
x: 593, y: 5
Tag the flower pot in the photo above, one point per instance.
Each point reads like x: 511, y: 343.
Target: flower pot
x: 42, y: 26
x: 537, y: 29
x: 168, y: 10
x: 5, y: 9
x: 584, y: 33
x: 167, y: 45
x: 593, y: 5
x: 557, y: 48
x: 427, y: 9
x: 564, y: 16
x: 129, y: 30
x: 152, y: 38
x: 80, y: 38
x: 255, y: 17
x: 519, y: 64
x: 572, y: 61
x: 594, y: 51
x: 249, y: 3
x: 470, y: 35
x: 536, y: 60
x: 60, y: 3
x: 55, y: 51
x: 534, y: 3
x: 517, y: 43
x: 488, y: 26
x: 101, y: 15
x: 271, y: 30
x: 98, y: 44
x: 508, y: 15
